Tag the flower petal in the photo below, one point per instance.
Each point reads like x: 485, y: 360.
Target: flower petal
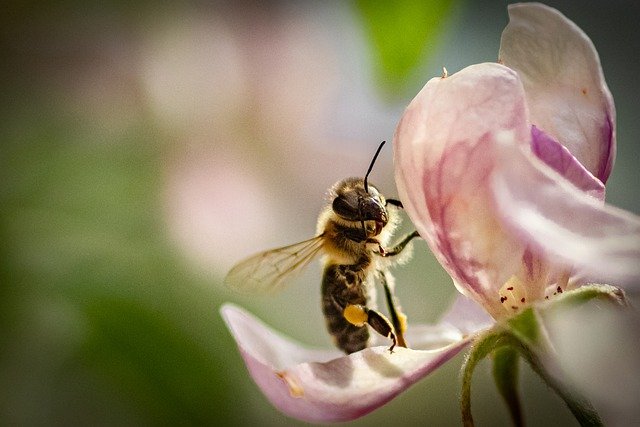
x: 442, y: 174
x: 598, y: 351
x: 600, y: 241
x: 567, y: 95
x: 560, y: 159
x: 467, y: 316
x: 324, y: 386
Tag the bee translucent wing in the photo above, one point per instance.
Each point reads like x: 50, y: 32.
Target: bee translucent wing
x: 271, y: 270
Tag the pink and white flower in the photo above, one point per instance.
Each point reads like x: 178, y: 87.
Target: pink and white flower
x: 502, y: 169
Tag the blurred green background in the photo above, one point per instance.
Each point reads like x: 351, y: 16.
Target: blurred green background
x: 145, y: 149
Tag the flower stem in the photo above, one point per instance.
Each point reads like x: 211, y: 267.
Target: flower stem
x: 481, y: 348
x: 579, y: 406
x: 531, y: 339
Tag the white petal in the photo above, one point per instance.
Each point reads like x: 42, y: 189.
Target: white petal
x: 570, y: 227
x: 567, y: 95
x: 467, y: 316
x: 325, y: 385
x: 598, y: 350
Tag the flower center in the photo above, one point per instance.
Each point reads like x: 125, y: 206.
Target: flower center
x: 513, y: 295
x: 561, y: 285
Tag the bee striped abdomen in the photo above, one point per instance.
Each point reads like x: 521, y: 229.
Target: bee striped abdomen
x: 343, y: 285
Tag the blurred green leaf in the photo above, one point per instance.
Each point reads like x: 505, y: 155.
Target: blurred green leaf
x: 167, y: 373
x: 402, y: 33
x: 99, y: 322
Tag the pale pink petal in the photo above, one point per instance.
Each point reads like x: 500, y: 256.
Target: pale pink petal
x: 467, y: 316
x: 442, y: 174
x: 325, y: 385
x: 560, y: 159
x: 464, y: 317
x: 597, y: 240
x: 567, y: 95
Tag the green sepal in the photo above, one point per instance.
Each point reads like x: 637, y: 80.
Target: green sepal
x: 524, y: 335
x: 580, y: 407
x: 484, y: 345
x: 505, y: 374
x: 530, y: 339
x: 585, y: 294
x: 526, y: 327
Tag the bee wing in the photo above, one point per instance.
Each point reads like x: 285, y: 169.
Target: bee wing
x: 270, y: 270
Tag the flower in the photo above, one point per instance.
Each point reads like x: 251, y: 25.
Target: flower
x: 501, y: 167
x: 511, y: 161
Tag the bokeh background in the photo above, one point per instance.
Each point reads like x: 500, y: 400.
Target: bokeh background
x: 146, y: 148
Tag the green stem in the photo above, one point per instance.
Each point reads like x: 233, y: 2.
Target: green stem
x: 525, y: 334
x: 505, y: 374
x: 579, y: 406
x: 481, y: 348
x: 532, y: 341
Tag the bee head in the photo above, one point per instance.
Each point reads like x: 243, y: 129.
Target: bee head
x: 355, y: 200
x: 353, y: 203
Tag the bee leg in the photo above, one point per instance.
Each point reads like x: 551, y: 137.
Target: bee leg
x: 382, y: 326
x: 400, y: 246
x: 358, y: 315
x: 381, y: 250
x: 398, y: 318
x: 395, y: 202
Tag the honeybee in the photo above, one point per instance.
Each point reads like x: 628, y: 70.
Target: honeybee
x: 352, y: 232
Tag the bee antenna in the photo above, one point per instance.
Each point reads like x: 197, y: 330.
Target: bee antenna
x: 373, y: 161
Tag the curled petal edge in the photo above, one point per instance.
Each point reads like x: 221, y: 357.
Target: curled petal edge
x: 599, y: 242
x: 556, y: 156
x: 566, y: 91
x: 328, y: 386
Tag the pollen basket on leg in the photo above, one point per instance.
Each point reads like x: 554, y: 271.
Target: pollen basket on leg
x: 355, y: 314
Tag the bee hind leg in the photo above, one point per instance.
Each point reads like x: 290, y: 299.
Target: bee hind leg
x: 398, y: 318
x: 358, y: 315
x: 382, y: 326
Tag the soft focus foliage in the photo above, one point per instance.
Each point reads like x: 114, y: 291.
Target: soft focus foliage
x: 396, y: 53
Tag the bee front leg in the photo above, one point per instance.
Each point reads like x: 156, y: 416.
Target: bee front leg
x: 400, y: 246
x: 381, y: 250
x: 358, y: 315
x: 395, y: 202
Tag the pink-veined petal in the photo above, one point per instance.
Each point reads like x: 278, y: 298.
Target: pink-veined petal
x: 560, y: 159
x: 442, y: 174
x: 467, y: 316
x: 567, y: 95
x: 600, y: 242
x: 326, y: 385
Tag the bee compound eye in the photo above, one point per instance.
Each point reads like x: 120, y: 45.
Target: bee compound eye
x: 342, y: 207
